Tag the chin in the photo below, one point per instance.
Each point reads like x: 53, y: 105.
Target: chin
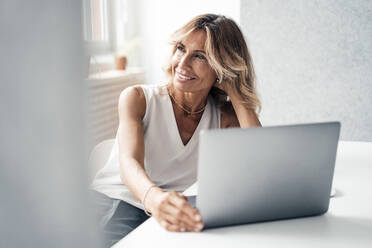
x: 193, y: 86
x: 187, y: 87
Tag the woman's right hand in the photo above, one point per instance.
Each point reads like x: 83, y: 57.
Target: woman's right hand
x: 173, y: 211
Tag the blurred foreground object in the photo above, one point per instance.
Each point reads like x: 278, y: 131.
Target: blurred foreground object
x: 43, y: 173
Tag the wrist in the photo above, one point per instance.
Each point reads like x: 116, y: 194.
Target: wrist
x: 233, y: 97
x: 230, y: 92
x: 150, y: 200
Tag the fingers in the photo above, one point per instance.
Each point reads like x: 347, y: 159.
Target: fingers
x: 172, y: 227
x: 175, y: 213
x: 174, y: 221
x: 176, y: 216
x: 181, y: 203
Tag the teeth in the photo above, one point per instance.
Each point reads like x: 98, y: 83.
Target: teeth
x: 184, y: 77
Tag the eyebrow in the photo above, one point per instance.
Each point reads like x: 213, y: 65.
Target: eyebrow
x: 200, y: 51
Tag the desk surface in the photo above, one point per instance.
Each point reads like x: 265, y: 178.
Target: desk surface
x: 348, y: 223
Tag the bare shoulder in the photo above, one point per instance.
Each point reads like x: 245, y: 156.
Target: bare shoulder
x: 132, y: 102
x: 229, y: 119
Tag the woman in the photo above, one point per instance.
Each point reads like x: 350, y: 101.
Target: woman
x: 211, y: 85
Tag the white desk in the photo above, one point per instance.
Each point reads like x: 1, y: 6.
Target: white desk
x: 348, y: 222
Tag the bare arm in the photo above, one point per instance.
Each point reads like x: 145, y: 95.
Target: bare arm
x: 240, y: 117
x: 246, y: 117
x: 131, y: 142
x: 170, y: 209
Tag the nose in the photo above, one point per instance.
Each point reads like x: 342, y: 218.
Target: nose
x: 184, y: 60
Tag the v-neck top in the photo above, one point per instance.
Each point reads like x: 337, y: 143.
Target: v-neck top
x: 169, y: 163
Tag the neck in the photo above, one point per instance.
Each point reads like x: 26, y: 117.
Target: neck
x: 192, y: 101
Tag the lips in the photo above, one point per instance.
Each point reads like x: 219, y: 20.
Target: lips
x: 183, y: 77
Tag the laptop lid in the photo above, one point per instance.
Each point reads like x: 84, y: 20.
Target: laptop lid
x: 265, y: 173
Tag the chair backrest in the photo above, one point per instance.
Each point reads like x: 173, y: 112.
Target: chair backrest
x: 99, y: 156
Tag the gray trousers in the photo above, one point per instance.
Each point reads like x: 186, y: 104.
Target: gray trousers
x: 116, y: 218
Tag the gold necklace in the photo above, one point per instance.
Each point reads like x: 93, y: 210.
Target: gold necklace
x: 187, y: 111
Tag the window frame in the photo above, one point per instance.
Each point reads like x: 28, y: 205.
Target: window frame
x: 106, y: 46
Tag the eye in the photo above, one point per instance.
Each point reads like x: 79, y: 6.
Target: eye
x: 199, y: 56
x: 180, y: 48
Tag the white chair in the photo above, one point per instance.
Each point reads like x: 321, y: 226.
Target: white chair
x: 99, y: 156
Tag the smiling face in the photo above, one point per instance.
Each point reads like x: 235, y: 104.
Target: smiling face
x: 190, y: 68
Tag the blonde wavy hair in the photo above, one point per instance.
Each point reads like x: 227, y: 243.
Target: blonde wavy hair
x: 227, y: 54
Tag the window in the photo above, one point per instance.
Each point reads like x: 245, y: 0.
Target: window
x: 96, y: 26
x: 105, y: 31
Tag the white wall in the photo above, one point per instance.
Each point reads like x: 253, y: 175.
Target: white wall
x: 159, y: 19
x: 313, y: 61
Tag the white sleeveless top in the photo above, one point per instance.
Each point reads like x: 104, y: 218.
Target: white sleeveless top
x: 169, y: 163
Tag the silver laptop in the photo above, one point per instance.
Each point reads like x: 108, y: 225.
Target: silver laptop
x: 262, y: 174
